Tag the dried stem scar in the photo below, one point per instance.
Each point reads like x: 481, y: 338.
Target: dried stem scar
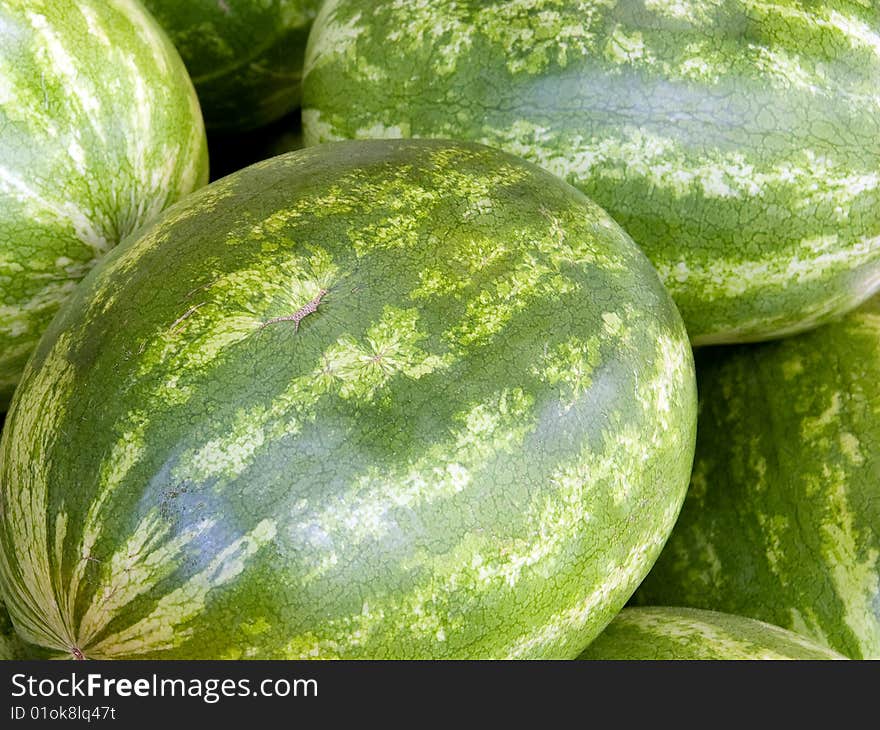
x: 300, y: 314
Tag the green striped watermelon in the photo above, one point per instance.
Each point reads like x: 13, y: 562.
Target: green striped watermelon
x: 782, y: 520
x: 737, y: 142
x: 689, y: 634
x: 99, y: 131
x: 391, y: 399
x: 245, y: 56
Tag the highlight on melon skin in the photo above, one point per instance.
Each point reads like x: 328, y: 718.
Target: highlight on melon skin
x: 383, y: 399
x: 100, y: 131
x: 737, y: 142
x: 671, y: 633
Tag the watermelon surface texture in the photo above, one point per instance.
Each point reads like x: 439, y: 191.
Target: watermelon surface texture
x: 665, y: 633
x: 782, y: 519
x: 245, y: 56
x: 100, y: 130
x: 737, y: 142
x: 470, y: 436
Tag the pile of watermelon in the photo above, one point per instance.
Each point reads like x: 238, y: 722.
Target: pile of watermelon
x: 533, y: 329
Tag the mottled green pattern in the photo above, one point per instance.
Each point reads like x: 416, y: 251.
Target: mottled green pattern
x: 100, y: 130
x: 738, y: 142
x: 245, y: 56
x: 782, y: 520
x: 689, y: 634
x: 474, y: 444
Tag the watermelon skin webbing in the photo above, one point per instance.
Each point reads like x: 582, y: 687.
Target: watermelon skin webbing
x: 100, y: 130
x: 738, y: 143
x: 666, y: 633
x: 781, y: 518
x: 370, y: 399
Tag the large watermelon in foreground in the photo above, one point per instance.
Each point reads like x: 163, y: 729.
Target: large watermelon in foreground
x: 245, y: 56
x: 374, y: 399
x: 737, y: 142
x: 100, y: 130
x: 782, y: 519
x: 661, y: 633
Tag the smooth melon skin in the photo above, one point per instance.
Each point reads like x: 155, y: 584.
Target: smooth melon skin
x: 782, y: 519
x: 737, y: 142
x: 245, y: 57
x: 666, y: 633
x: 100, y: 130
x: 472, y: 444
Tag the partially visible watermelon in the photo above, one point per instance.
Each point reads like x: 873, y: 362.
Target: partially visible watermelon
x: 11, y: 647
x: 245, y: 56
x: 737, y: 142
x: 100, y: 130
x: 689, y: 633
x: 400, y: 399
x: 782, y: 519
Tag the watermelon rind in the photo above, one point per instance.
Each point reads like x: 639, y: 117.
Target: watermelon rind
x: 782, y: 518
x: 690, y: 634
x: 737, y: 142
x: 100, y: 130
x: 385, y: 399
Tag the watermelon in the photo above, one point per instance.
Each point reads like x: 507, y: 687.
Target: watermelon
x: 100, y: 130
x: 393, y: 399
x: 688, y: 633
x: 782, y: 520
x: 737, y: 142
x: 245, y: 57
x: 11, y: 646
